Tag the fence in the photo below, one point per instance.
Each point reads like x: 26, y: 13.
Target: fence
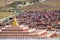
x: 32, y: 39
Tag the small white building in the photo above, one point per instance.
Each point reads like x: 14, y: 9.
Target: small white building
x: 41, y: 0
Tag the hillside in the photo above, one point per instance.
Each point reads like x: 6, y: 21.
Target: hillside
x: 4, y: 2
x: 5, y: 14
x: 50, y: 5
